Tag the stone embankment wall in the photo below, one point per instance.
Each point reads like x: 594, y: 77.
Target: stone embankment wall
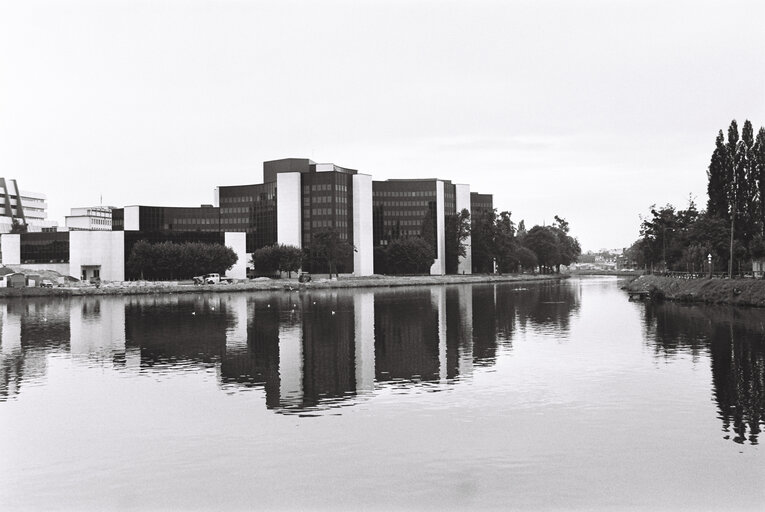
x: 145, y: 287
x: 739, y: 292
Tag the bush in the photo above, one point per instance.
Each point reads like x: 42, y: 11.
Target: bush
x: 168, y: 260
x: 409, y: 256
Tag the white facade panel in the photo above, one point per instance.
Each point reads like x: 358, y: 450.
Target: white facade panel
x: 104, y: 249
x: 439, y: 265
x: 132, y: 219
x: 11, y: 249
x: 363, y: 257
x: 462, y: 201
x: 288, y: 209
x: 238, y: 242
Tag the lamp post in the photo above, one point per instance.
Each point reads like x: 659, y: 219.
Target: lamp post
x: 709, y: 259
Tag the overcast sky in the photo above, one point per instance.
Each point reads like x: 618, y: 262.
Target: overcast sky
x: 589, y: 110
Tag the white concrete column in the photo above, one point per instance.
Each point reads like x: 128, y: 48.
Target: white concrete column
x: 463, y: 203
x: 132, y: 218
x: 216, y: 197
x: 237, y: 242
x: 439, y: 265
x: 288, y: 209
x: 364, y: 330
x: 363, y: 257
x: 98, y: 248
x: 11, y: 247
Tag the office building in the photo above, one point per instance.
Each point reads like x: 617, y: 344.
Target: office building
x: 29, y: 208
x: 298, y: 198
x: 94, y: 218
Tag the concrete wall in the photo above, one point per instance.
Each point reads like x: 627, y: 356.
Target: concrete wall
x: 463, y: 203
x: 439, y: 265
x: 288, y: 209
x: 363, y: 257
x: 11, y: 248
x: 132, y: 221
x: 103, y: 248
x: 238, y: 242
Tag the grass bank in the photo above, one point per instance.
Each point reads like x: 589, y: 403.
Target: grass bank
x: 262, y: 284
x: 737, y: 292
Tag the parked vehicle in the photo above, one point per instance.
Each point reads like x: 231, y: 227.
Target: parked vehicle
x: 304, y: 277
x: 212, y: 279
x: 46, y: 283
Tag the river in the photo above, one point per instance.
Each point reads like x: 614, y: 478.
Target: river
x: 488, y: 396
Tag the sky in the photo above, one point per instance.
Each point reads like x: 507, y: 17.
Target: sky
x: 590, y: 110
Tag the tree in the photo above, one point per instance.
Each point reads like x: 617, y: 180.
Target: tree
x: 327, y: 246
x: 410, y: 256
x: 758, y: 166
x: 456, y: 232
x: 544, y: 242
x: 717, y: 204
x: 265, y: 260
x: 17, y: 227
x: 290, y: 259
x: 505, y: 245
x: 482, y: 234
x: 568, y: 247
x: 168, y: 260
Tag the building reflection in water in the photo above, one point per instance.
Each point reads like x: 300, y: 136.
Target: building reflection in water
x: 306, y: 350
x: 734, y: 338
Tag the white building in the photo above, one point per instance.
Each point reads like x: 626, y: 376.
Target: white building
x: 30, y: 208
x: 95, y: 218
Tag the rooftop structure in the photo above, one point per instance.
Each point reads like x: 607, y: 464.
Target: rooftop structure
x: 94, y: 218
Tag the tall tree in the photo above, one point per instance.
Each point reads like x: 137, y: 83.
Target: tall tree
x: 717, y: 180
x: 758, y: 164
x: 328, y: 246
x: 456, y: 233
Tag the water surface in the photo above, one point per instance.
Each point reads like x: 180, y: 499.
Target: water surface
x: 507, y: 396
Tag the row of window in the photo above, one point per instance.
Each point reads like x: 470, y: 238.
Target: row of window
x: 399, y: 203
x: 236, y: 209
x: 191, y: 221
x: 410, y: 193
x: 402, y: 223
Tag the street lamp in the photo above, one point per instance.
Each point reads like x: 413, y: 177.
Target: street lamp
x: 709, y: 259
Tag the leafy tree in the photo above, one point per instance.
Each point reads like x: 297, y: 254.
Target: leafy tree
x: 505, y: 245
x: 568, y: 246
x: 265, y: 260
x: 457, y: 231
x: 526, y: 258
x: 717, y: 192
x: 544, y: 242
x: 17, y: 227
x: 409, y: 256
x: 482, y: 234
x: 290, y: 258
x: 168, y: 260
x: 758, y: 170
x: 328, y: 247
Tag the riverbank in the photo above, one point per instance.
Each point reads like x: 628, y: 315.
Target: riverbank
x: 265, y: 284
x: 737, y: 292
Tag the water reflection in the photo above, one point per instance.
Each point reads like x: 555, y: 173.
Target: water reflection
x: 734, y: 338
x: 306, y: 351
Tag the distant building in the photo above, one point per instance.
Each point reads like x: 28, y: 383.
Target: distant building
x: 29, y: 208
x: 94, y: 218
x: 480, y: 203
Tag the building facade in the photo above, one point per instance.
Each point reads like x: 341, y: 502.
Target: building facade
x: 94, y: 218
x: 29, y: 208
x: 297, y: 199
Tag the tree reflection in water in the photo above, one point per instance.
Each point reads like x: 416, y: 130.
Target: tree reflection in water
x: 735, y: 341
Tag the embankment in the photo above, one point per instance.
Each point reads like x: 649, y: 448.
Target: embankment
x: 144, y: 287
x: 737, y: 292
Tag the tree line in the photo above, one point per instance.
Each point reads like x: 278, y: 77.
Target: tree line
x: 731, y: 229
